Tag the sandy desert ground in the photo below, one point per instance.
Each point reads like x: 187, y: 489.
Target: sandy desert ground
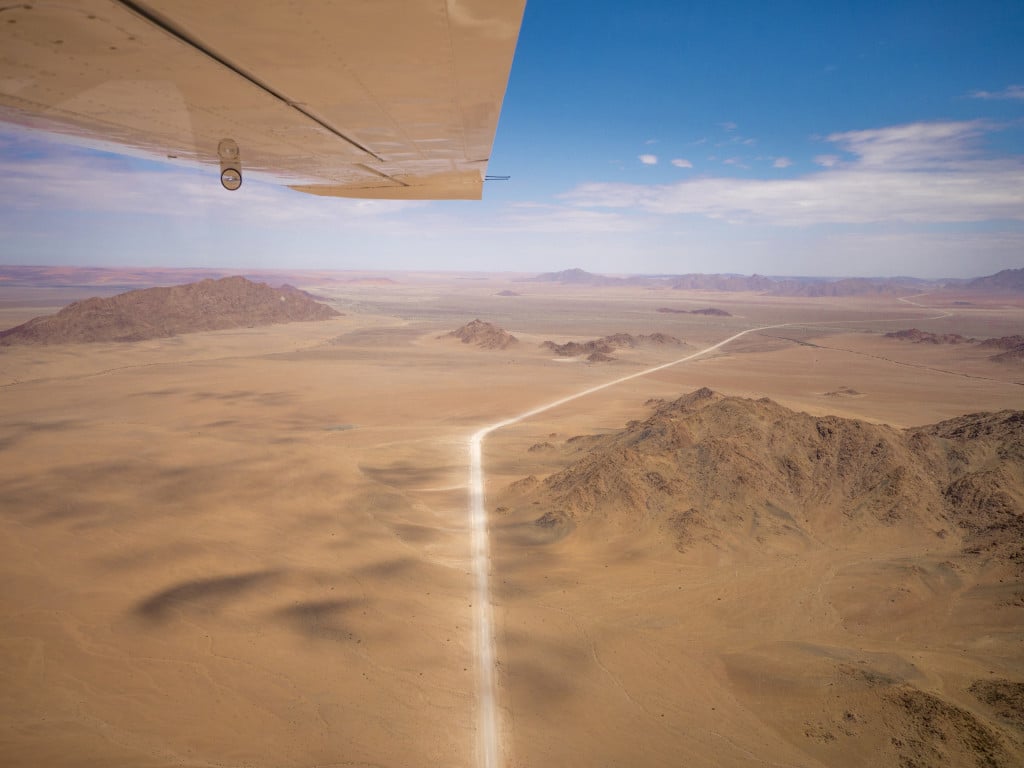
x: 251, y: 547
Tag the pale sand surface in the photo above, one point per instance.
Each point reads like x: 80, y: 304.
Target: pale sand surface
x: 251, y: 547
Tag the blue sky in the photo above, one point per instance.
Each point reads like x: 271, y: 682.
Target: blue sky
x: 781, y: 138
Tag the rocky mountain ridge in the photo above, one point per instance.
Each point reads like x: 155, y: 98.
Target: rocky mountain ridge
x: 482, y: 334
x: 152, y: 313
x: 720, y: 470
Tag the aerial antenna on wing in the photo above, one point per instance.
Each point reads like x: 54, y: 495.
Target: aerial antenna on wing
x: 497, y: 178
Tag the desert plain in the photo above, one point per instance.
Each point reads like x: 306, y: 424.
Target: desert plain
x: 251, y: 547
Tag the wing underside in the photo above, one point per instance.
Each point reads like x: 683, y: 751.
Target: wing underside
x: 363, y: 98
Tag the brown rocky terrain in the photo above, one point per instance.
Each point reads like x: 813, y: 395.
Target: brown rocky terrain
x: 1003, y: 342
x: 1012, y: 346
x: 1006, y: 281
x: 1012, y: 349
x: 720, y: 484
x: 851, y: 286
x: 152, y: 313
x: 599, y: 350
x: 917, y: 336
x: 577, y: 276
x: 484, y: 335
x: 723, y: 470
x: 711, y: 311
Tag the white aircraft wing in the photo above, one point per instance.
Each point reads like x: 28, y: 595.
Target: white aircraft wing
x: 354, y: 98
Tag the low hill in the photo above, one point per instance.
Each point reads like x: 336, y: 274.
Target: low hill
x: 735, y: 472
x: 701, y: 282
x: 599, y: 350
x: 1007, y: 281
x: 850, y: 286
x: 484, y: 335
x: 576, y: 277
x: 1012, y: 349
x: 710, y: 311
x: 917, y: 336
x: 151, y: 313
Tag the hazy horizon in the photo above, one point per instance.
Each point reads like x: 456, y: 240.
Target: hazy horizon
x: 526, y: 276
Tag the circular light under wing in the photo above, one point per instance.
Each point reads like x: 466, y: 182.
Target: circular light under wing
x: 231, y: 178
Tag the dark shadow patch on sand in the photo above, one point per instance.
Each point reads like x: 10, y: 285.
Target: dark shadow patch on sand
x: 260, y: 398
x: 220, y: 424
x: 158, y: 392
x: 541, y: 671
x: 17, y: 431
x: 396, y: 568
x: 202, y: 594
x: 544, y: 530
x: 373, y: 337
x: 147, y: 557
x: 408, y: 476
x: 321, y: 619
x: 417, y: 534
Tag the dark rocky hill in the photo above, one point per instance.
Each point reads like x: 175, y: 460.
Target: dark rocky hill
x: 151, y: 313
x: 735, y: 472
x: 1007, y: 281
x: 599, y: 350
x: 927, y: 337
x: 483, y: 334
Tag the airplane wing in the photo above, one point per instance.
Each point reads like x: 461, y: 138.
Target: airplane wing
x: 356, y: 98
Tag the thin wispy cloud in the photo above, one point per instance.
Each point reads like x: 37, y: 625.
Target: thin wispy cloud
x: 681, y: 162
x: 560, y: 219
x: 1010, y: 92
x: 917, y: 145
x: 920, y: 172
x: 736, y: 162
x: 827, y: 161
x: 782, y: 162
x: 648, y: 159
x: 728, y: 126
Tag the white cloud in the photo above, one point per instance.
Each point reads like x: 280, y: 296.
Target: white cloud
x: 521, y: 218
x: 921, y: 172
x: 681, y: 162
x: 728, y: 126
x: 827, y: 161
x: 926, y: 146
x: 649, y: 142
x: 782, y: 162
x: 648, y: 159
x: 1009, y: 92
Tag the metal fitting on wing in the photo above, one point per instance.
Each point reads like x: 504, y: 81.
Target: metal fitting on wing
x: 230, y: 164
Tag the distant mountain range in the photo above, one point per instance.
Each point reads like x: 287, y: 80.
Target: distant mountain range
x: 1006, y: 282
